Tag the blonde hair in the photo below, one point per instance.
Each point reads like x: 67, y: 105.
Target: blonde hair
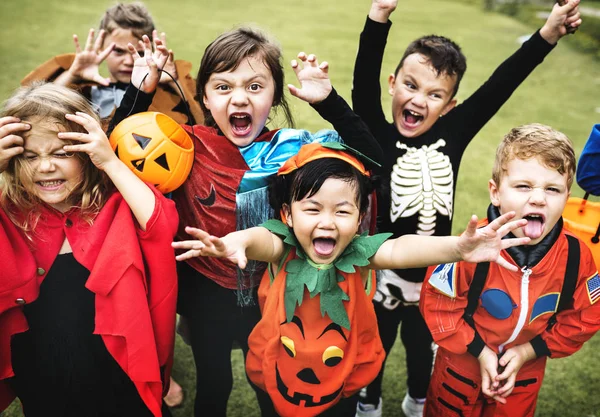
x: 552, y: 148
x: 43, y: 105
x: 133, y: 16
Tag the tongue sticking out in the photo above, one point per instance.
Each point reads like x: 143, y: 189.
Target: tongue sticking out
x: 324, y: 247
x: 534, y: 227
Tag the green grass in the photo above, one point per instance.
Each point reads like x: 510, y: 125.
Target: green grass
x: 563, y: 93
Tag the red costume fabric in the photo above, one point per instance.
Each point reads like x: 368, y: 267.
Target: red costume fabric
x: 514, y: 308
x: 132, y: 274
x: 308, y: 364
x: 207, y: 199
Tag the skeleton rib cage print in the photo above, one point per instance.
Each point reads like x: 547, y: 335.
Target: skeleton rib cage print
x: 422, y: 182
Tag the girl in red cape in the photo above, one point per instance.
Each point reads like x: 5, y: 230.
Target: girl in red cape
x: 88, y: 282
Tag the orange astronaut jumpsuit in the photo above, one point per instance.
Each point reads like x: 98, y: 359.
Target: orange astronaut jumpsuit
x: 513, y: 308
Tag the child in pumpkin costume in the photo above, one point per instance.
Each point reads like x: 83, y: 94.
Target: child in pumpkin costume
x: 317, y: 340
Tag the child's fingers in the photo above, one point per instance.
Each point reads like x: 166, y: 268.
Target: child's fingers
x: 88, y: 42
x: 324, y: 66
x: 312, y: 60
x: 471, y: 226
x: 188, y: 255
x: 197, y: 233
x: 188, y: 244
x: 302, y: 56
x: 75, y: 148
x: 293, y: 90
x: 10, y: 125
x: 76, y: 42
x: 99, y: 40
x: 102, y: 55
x: 497, y: 224
x: 163, y: 38
x: 133, y: 51
x: 505, y: 264
x: 11, y: 142
x: 510, y: 226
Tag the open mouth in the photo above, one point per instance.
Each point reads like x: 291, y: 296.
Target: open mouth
x: 241, y: 123
x: 535, y: 225
x: 324, y: 246
x: 298, y: 397
x: 412, y: 118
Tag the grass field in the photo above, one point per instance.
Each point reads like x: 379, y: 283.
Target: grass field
x: 563, y: 93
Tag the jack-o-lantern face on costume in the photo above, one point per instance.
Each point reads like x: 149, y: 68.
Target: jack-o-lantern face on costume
x: 307, y: 364
x: 310, y: 357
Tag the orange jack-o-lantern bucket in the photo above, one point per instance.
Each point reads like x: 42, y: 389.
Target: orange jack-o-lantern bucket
x: 582, y: 218
x: 156, y: 148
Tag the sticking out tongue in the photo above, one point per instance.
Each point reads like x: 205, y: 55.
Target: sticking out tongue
x: 324, y: 247
x: 534, y: 227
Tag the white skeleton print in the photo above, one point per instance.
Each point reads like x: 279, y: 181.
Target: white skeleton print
x: 422, y: 181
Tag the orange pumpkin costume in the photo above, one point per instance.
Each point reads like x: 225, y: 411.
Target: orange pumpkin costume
x: 317, y: 339
x: 308, y: 364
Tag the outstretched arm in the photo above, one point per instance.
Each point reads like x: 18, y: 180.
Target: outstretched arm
x: 255, y: 243
x: 366, y: 85
x: 136, y: 193
x: 474, y: 245
x: 316, y: 89
x: 85, y: 67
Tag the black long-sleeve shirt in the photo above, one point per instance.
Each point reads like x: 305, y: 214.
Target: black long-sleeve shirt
x: 422, y: 171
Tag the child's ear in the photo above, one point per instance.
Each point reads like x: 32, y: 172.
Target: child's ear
x: 451, y: 104
x: 288, y: 214
x: 494, y: 197
x: 205, y: 101
x: 392, y: 84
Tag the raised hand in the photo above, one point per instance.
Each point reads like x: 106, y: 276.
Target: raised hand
x: 170, y: 64
x: 94, y: 142
x: 382, y: 9
x: 563, y: 19
x: 485, y: 244
x: 11, y: 144
x: 85, y: 67
x: 145, y: 74
x: 315, y: 84
x: 207, y: 245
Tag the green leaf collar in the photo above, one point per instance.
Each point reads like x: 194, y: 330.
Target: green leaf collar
x: 323, y: 278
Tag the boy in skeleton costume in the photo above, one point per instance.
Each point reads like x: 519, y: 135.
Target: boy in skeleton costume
x: 423, y: 148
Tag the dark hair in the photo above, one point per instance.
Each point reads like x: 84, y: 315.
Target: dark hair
x: 228, y: 51
x: 443, y: 55
x: 308, y: 180
x: 133, y: 16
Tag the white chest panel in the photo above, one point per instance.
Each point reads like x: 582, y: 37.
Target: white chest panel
x: 422, y: 181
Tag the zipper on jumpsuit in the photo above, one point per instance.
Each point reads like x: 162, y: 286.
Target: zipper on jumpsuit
x: 524, y: 307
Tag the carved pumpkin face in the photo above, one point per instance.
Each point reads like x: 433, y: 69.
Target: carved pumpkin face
x: 310, y: 357
x: 155, y: 148
x: 306, y: 365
